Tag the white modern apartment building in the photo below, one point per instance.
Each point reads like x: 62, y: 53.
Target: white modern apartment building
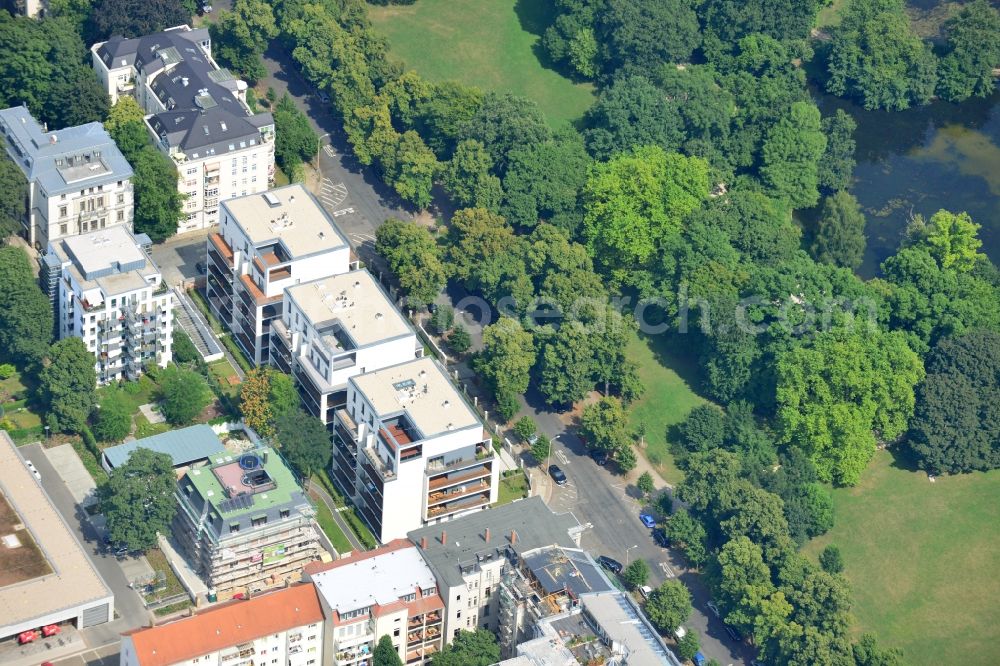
x: 108, y: 292
x: 333, y: 329
x: 280, y: 628
x: 197, y: 113
x: 389, y: 591
x: 78, y: 180
x: 265, y: 244
x: 410, y: 451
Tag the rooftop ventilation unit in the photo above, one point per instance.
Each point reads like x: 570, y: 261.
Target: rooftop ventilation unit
x: 271, y: 199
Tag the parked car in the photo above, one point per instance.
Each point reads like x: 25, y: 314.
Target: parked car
x: 712, y: 607
x: 206, y: 9
x: 610, y: 564
x: 735, y: 635
x: 323, y: 97
x: 557, y: 475
x: 645, y: 591
x: 533, y: 439
x: 680, y: 632
x: 661, y: 538
x: 600, y: 456
x: 648, y: 520
x: 699, y: 659
x: 31, y: 468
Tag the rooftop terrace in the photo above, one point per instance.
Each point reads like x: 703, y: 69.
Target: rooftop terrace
x: 251, y: 482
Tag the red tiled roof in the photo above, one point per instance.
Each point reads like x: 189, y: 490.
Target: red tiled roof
x: 227, y: 625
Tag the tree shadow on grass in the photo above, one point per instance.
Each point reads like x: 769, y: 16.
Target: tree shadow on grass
x: 535, y: 15
x: 904, y: 458
x: 679, y: 353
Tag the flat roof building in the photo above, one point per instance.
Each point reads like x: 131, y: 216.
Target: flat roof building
x: 67, y: 588
x: 280, y: 627
x: 333, y: 329
x: 388, y: 591
x: 266, y: 243
x: 107, y: 291
x: 469, y: 554
x: 245, y: 522
x: 186, y: 447
x: 78, y: 180
x: 197, y: 114
x: 410, y: 451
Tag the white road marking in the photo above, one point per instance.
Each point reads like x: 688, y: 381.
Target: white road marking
x: 342, y: 211
x: 667, y: 571
x: 329, y: 151
x: 562, y: 457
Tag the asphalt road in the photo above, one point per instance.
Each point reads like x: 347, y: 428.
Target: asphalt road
x: 129, y: 610
x: 597, y: 496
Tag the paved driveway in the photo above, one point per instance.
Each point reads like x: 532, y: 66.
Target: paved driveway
x: 129, y: 610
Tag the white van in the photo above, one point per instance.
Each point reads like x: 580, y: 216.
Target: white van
x: 645, y: 591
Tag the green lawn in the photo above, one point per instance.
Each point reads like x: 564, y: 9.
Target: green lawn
x: 667, y: 373
x: 512, y: 487
x: 223, y: 370
x: 923, y: 560
x: 331, y: 529
x: 491, y: 44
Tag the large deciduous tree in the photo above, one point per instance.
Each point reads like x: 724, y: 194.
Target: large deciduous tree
x: 839, y: 235
x: 841, y: 392
x: 669, y: 606
x: 973, y: 51
x: 134, y: 18
x: 13, y: 197
x: 138, y: 499
x: 634, y: 202
x: 506, y: 360
x: 265, y: 395
x: 468, y: 179
x: 113, y: 420
x: 566, y: 364
x: 385, y: 653
x: 505, y: 122
x: 543, y: 183
x: 791, y: 154
x: 295, y: 141
x: 158, y: 204
x: 836, y: 167
x: 241, y: 35
x: 604, y: 424
x: 876, y: 58
x: 26, y: 319
x: 645, y: 34
x: 488, y: 257
x: 414, y: 257
x: 303, y: 440
x: 470, y: 648
x: 956, y: 424
x: 183, y: 394
x: 66, y: 385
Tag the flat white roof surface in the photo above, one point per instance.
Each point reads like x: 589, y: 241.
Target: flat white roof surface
x: 296, y: 219
x: 421, y: 389
x: 356, y: 302
x: 105, y: 248
x: 73, y: 582
x: 381, y: 580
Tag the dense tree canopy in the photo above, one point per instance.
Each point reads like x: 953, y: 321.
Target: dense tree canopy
x: 841, y: 392
x: 138, y: 499
x: 956, y: 423
x: 113, y: 418
x: 876, y: 58
x: 839, y: 235
x: 303, y: 440
x: 543, y: 183
x: 42, y: 65
x: 183, y: 394
x: 26, y: 319
x: 669, y: 606
x: 645, y: 34
x: 470, y: 648
x: 13, y: 195
x: 972, y: 52
x: 634, y: 202
x: 241, y: 35
x: 791, y: 153
x: 295, y: 141
x: 134, y: 18
x: 66, y: 385
x: 414, y: 257
x: 506, y: 360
